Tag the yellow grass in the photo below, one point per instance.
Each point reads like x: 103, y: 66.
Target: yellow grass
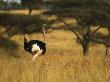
x: 26, y: 12
x: 63, y: 61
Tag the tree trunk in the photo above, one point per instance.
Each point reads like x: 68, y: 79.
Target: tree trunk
x: 107, y: 43
x: 86, y: 40
x: 30, y: 10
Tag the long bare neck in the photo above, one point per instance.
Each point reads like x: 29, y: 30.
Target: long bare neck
x: 43, y: 30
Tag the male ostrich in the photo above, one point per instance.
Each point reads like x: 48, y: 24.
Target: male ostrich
x: 35, y: 47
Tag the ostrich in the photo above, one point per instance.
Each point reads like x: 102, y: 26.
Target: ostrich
x: 35, y: 47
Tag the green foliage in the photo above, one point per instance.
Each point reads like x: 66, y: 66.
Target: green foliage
x: 2, y: 3
x: 30, y: 3
x: 20, y: 24
x: 88, y: 11
x: 11, y: 5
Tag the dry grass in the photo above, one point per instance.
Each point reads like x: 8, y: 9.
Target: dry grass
x: 63, y: 61
x: 26, y: 12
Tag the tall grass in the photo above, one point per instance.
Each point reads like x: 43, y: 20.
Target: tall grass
x: 63, y: 62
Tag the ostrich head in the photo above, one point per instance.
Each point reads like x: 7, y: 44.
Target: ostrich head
x: 26, y: 38
x: 26, y: 44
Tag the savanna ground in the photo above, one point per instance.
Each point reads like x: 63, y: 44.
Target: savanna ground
x: 63, y: 62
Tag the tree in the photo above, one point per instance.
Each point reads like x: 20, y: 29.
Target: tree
x: 88, y: 13
x: 3, y: 5
x: 30, y: 4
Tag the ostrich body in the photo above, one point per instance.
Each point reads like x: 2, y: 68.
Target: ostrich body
x: 35, y: 47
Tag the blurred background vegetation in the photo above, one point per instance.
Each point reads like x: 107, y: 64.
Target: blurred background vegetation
x: 88, y: 15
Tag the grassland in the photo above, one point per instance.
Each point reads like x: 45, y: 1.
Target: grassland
x: 63, y: 61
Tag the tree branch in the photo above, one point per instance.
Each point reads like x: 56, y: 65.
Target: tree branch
x: 101, y: 41
x: 97, y: 29
x: 8, y: 28
x: 71, y: 28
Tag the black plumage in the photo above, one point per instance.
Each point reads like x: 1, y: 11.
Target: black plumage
x: 28, y: 45
x: 35, y: 47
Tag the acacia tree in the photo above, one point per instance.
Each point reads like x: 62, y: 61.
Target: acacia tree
x: 88, y: 13
x: 4, y: 4
x: 30, y: 4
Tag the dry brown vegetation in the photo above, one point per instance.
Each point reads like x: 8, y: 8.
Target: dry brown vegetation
x: 63, y: 61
